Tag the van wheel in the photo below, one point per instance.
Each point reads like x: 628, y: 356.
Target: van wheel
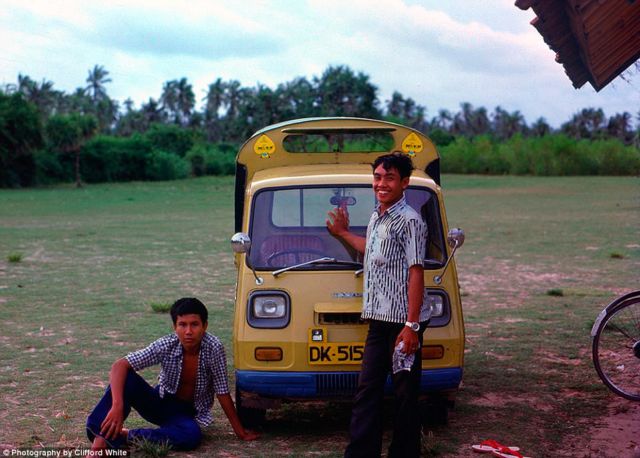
x: 434, y: 413
x: 249, y: 417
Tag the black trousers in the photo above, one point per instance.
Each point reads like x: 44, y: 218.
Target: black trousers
x: 366, y: 417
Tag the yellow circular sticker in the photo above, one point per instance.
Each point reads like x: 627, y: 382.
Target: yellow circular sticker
x: 264, y: 147
x: 412, y: 144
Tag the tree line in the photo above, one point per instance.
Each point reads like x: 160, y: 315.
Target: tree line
x: 47, y: 135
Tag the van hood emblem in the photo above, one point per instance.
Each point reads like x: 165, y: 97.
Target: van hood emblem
x: 346, y: 295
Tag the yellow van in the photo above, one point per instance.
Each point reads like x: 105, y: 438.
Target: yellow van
x: 297, y: 331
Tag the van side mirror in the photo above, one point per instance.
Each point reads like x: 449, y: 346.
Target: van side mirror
x: 455, y: 239
x: 241, y: 243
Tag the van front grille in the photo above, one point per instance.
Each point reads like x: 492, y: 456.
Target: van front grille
x: 337, y: 384
x: 340, y: 318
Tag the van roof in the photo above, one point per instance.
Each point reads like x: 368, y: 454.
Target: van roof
x: 335, y: 140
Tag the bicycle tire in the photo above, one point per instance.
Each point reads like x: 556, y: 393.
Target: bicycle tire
x: 616, y: 346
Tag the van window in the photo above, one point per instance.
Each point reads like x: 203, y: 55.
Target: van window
x: 288, y: 225
x: 339, y: 142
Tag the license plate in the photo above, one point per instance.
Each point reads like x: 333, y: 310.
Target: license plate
x: 336, y: 353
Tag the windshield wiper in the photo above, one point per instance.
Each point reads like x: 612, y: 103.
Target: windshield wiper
x: 325, y: 260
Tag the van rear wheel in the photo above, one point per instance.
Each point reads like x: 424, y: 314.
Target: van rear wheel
x: 434, y: 412
x: 250, y: 417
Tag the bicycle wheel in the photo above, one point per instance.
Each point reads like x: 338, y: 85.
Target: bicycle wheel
x: 616, y: 348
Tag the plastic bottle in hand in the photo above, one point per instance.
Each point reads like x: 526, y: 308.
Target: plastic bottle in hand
x: 401, y: 360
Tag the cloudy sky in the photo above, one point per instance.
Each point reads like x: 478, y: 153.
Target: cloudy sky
x: 440, y: 53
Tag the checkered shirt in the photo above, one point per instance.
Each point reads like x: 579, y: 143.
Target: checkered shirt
x: 211, y: 376
x: 396, y: 240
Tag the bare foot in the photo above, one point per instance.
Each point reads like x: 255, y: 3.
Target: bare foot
x: 97, y: 446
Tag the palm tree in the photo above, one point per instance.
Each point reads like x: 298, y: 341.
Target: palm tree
x: 587, y: 124
x: 470, y: 122
x: 233, y: 95
x: 540, y: 128
x: 178, y: 100
x: 42, y: 95
x: 96, y: 79
x: 395, y: 105
x: 443, y: 120
x: 151, y: 113
x: 213, y: 102
x: 295, y: 99
x: 619, y: 127
x: 506, y: 125
x: 340, y: 92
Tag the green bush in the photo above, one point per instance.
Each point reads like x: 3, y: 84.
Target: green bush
x: 52, y: 167
x: 20, y: 136
x: 106, y: 158
x: 162, y: 165
x: 14, y: 257
x: 170, y: 138
x: 218, y: 159
x: 161, y: 307
x: 543, y: 156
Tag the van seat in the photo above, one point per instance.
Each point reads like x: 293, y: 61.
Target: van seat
x: 286, y: 250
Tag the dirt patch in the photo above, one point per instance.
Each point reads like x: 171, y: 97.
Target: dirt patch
x: 503, y: 288
x: 615, y: 434
x: 491, y: 354
x: 493, y: 400
x: 549, y: 357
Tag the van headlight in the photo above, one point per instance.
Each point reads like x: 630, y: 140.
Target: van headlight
x: 436, y: 302
x: 268, y: 309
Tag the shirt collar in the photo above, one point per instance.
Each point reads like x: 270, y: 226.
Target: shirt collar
x: 395, y: 208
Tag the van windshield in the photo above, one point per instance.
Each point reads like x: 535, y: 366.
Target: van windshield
x: 288, y: 225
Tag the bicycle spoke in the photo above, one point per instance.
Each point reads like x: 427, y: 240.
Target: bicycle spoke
x: 613, y: 349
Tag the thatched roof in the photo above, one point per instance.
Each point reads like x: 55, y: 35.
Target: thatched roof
x: 595, y: 40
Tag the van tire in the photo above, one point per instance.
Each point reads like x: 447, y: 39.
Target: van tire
x: 434, y: 412
x: 249, y: 417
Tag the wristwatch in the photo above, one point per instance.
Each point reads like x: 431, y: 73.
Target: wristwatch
x: 413, y: 325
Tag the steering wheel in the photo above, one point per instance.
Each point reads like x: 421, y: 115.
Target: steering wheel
x: 300, y: 255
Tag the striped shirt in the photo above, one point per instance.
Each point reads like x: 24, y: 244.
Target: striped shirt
x: 396, y: 240
x: 211, y: 376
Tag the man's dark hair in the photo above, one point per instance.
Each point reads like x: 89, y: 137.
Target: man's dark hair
x: 396, y: 160
x: 188, y: 306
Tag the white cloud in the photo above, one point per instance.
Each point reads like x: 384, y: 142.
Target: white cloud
x: 438, y: 53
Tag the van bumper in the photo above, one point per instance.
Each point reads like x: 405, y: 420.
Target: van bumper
x: 312, y: 385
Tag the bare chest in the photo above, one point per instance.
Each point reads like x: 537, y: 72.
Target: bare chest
x: 187, y: 386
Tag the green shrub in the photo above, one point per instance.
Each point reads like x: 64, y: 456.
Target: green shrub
x: 614, y: 158
x: 454, y: 156
x: 554, y: 154
x: 162, y: 165
x: 20, y: 136
x: 52, y: 167
x: 14, y: 257
x: 170, y: 138
x: 106, y: 158
x: 218, y: 159
x: 148, y: 449
x: 441, y: 137
x: 160, y: 307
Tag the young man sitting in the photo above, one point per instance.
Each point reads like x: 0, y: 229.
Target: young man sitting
x: 193, y: 368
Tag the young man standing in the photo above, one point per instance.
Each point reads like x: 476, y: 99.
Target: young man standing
x: 193, y: 368
x: 392, y: 301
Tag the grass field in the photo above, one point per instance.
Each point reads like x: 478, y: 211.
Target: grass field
x: 81, y: 268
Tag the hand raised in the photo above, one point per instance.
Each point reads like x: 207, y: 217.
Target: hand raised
x: 338, y: 222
